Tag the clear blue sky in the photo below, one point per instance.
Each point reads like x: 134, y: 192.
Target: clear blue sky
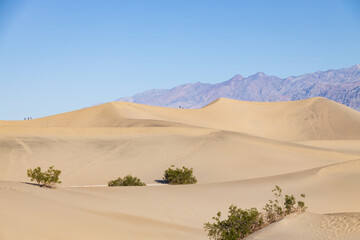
x: 57, y: 56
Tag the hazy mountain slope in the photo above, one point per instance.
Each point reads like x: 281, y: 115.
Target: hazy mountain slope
x: 341, y: 85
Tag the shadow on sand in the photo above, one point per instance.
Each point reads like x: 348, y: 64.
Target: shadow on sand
x: 162, y: 181
x: 39, y: 185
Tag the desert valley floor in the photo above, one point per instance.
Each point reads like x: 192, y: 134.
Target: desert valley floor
x: 239, y: 151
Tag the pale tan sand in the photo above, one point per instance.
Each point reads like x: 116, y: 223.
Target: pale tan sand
x: 170, y: 211
x: 238, y: 150
x: 345, y: 146
x: 339, y: 226
x: 216, y: 156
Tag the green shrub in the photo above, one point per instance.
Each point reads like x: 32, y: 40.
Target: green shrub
x: 239, y: 224
x: 126, y: 181
x: 179, y: 175
x: 48, y: 178
x: 301, y: 205
x: 276, y: 210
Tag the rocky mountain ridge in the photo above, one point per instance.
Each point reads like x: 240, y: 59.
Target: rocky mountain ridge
x: 340, y: 85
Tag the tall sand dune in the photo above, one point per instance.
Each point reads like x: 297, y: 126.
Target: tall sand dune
x: 310, y: 119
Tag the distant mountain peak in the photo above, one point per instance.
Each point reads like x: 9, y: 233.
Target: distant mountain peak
x: 238, y: 76
x: 356, y: 67
x: 258, y: 74
x: 235, y: 78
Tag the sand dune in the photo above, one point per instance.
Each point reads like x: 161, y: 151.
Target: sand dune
x: 239, y: 151
x: 310, y: 119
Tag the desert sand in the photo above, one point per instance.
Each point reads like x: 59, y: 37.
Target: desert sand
x: 238, y: 150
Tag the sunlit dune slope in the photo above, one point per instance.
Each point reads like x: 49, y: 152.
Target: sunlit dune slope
x: 314, y: 118
x: 114, y: 114
x: 311, y: 119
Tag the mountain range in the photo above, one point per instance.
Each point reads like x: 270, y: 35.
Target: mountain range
x: 340, y: 85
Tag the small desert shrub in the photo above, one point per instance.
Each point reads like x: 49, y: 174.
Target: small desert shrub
x: 48, y: 178
x: 126, y: 181
x: 241, y: 223
x: 179, y: 175
x: 276, y: 210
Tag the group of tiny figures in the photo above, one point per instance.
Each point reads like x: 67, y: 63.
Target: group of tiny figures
x: 28, y: 118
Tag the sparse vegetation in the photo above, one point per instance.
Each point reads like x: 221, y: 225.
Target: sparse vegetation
x: 49, y: 178
x: 126, y: 181
x: 179, y: 175
x: 276, y: 210
x: 241, y: 223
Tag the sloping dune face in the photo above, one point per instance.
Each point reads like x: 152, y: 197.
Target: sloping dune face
x: 315, y: 118
x: 238, y: 150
